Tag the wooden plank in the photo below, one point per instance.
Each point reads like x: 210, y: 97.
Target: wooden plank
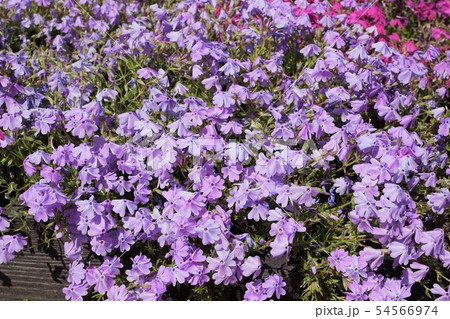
x: 35, y: 274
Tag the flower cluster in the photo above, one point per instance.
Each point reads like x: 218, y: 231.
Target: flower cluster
x: 191, y: 143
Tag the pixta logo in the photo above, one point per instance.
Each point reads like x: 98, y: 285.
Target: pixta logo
x: 351, y: 312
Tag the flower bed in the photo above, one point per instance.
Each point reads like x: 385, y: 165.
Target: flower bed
x: 189, y: 145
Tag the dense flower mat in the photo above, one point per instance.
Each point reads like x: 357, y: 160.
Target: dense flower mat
x: 210, y: 150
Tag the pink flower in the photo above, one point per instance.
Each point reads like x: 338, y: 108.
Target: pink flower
x: 394, y: 37
x: 209, y: 232
x: 438, y: 33
x: 396, y: 23
x: 409, y: 47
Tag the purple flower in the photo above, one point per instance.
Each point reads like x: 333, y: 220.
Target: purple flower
x: 241, y: 124
x: 438, y: 290
x: 396, y: 291
x: 432, y: 242
x: 400, y: 253
x: 209, y: 232
x: 197, y: 71
x: 44, y: 121
x: 76, y: 273
x: 274, y: 284
x: 342, y: 185
x: 223, y: 265
x: 73, y: 250
x: 279, y: 246
x: 125, y: 240
x: 146, y: 73
x: 431, y: 53
x: 374, y: 256
x: 100, y: 279
x: 354, y: 82
x: 140, y: 267
x: 382, y: 48
x: 4, y: 223
x: 255, y: 291
x: 321, y: 73
x: 358, y: 52
x: 367, y: 187
x: 358, y: 292
x: 84, y: 127
x: 333, y: 38
x: 75, y: 292
x: 338, y: 93
x: 41, y: 203
x: 421, y: 271
x: 102, y: 245
x: 282, y: 131
x: 15, y: 242
x: 90, y: 207
x: 307, y: 195
x: 179, y: 251
x: 121, y: 206
x: 310, y: 49
x: 355, y: 268
x: 439, y: 201
x: 118, y: 293
x: 257, y: 75
x: 288, y: 194
x: 337, y: 258
x: 231, y: 68
x: 252, y: 265
x: 223, y: 100
x: 5, y: 254
x: 212, y: 81
x: 259, y: 211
